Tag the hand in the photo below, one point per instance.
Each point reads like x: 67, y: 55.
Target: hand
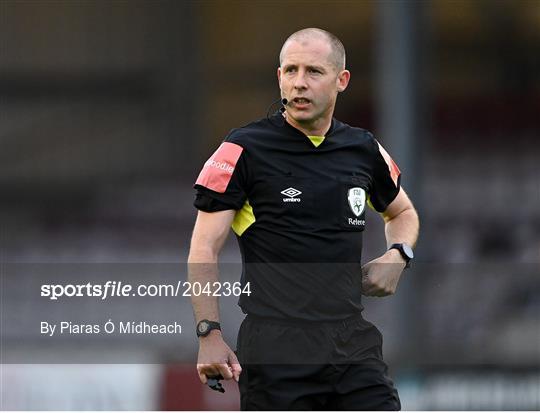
x: 380, y: 277
x: 216, y: 357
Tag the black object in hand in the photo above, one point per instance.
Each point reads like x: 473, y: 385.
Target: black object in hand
x: 214, y: 384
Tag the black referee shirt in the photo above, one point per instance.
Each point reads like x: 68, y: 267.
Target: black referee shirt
x: 300, y: 205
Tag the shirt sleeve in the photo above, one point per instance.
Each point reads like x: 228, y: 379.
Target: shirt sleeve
x: 221, y: 182
x: 385, y: 180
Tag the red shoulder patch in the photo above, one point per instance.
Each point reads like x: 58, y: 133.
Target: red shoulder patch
x: 219, y: 168
x: 392, y: 166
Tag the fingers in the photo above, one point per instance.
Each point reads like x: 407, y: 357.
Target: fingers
x: 227, y: 371
x: 202, y: 374
x: 205, y: 370
x: 376, y: 293
x: 367, y: 285
x: 380, y: 279
x: 371, y: 292
x: 211, y: 370
x: 235, y: 366
x: 368, y: 288
x: 371, y: 288
x: 365, y: 269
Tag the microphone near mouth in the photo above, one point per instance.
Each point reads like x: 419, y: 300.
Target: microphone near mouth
x: 284, y: 102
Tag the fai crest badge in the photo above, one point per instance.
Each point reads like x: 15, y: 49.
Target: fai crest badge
x: 357, y: 200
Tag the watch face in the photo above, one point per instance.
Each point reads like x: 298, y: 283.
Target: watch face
x: 203, y: 327
x: 408, y: 251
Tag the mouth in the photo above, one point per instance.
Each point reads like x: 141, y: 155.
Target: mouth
x: 301, y: 102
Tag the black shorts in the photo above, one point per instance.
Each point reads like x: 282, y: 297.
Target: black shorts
x: 319, y: 366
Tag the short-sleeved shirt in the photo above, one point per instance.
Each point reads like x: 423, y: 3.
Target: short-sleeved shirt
x: 300, y: 217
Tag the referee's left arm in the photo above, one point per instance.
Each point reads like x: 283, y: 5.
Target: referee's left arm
x: 380, y: 277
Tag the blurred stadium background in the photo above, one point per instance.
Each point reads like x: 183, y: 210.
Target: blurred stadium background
x: 109, y: 108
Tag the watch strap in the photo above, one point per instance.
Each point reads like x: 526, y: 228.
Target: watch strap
x: 402, y: 252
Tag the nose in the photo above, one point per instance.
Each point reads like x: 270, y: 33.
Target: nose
x: 300, y: 80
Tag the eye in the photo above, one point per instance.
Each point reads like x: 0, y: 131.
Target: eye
x: 290, y: 69
x: 315, y: 71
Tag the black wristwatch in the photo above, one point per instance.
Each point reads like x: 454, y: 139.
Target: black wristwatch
x: 405, y: 251
x: 205, y: 326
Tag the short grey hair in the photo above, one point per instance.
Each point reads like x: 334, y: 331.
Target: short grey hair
x: 337, y: 55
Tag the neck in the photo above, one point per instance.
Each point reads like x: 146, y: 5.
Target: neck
x: 317, y: 128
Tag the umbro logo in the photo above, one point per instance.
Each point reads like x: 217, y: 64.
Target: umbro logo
x: 292, y: 194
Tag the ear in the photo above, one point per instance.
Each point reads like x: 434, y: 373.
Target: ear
x: 279, y: 76
x: 343, y: 80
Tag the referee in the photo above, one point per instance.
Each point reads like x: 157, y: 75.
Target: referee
x: 294, y: 188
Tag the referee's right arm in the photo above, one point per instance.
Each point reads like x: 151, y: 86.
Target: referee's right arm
x: 209, y: 235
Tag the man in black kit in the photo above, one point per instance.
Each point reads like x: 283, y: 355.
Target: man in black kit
x: 294, y: 187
